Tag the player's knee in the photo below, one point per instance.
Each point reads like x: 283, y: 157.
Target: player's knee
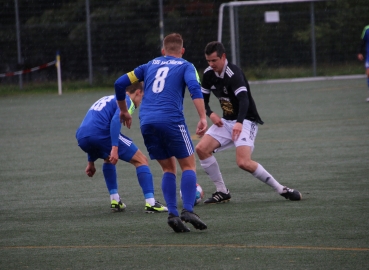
x: 139, y: 159
x: 198, y: 149
x: 245, y: 165
x: 143, y: 159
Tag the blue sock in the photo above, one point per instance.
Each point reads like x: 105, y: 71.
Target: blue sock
x: 145, y: 180
x: 188, y: 189
x: 110, y: 175
x: 169, y: 188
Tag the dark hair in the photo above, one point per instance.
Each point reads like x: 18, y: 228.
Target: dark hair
x: 133, y: 87
x: 215, y: 46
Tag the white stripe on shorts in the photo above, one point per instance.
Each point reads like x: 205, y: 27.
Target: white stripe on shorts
x: 124, y: 140
x: 186, y: 139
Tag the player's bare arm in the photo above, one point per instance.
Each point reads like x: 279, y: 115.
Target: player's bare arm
x: 216, y: 119
x: 124, y: 115
x: 113, y: 158
x: 202, y: 124
x: 237, y: 128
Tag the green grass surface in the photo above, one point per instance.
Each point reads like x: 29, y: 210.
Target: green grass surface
x: 315, y: 139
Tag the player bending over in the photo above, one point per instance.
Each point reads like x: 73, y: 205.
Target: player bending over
x: 99, y: 136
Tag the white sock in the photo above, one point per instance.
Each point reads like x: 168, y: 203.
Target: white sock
x: 262, y: 174
x: 115, y: 197
x: 151, y: 201
x: 211, y: 167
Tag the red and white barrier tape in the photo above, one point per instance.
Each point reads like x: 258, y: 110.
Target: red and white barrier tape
x: 8, y: 74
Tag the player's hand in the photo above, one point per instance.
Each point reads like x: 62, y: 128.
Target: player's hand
x: 216, y: 119
x: 113, y: 158
x: 125, y: 118
x: 201, y: 127
x: 237, y: 128
x: 90, y: 169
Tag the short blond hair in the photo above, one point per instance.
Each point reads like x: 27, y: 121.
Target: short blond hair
x: 173, y: 43
x: 133, y: 87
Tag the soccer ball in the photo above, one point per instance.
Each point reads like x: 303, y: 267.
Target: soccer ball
x: 199, y: 194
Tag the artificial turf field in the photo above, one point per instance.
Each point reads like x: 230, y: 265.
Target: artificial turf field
x: 315, y: 139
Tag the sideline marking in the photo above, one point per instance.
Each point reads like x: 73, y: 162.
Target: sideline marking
x: 195, y: 137
x: 192, y: 246
x: 310, y: 79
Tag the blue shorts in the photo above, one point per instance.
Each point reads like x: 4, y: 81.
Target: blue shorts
x: 167, y: 140
x: 101, y: 148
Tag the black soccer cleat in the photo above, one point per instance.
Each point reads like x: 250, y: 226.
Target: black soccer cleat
x: 176, y: 224
x: 194, y: 219
x: 219, y: 197
x: 291, y: 194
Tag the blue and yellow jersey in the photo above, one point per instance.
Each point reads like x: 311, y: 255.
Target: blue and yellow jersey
x: 165, y: 79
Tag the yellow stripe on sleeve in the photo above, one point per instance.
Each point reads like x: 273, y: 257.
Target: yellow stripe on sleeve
x: 132, y: 77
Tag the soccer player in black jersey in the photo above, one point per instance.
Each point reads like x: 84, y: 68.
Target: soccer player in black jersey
x: 237, y: 128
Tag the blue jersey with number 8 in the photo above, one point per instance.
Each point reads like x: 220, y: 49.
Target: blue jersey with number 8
x: 165, y: 79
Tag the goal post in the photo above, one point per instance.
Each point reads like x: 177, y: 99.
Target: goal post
x: 234, y: 29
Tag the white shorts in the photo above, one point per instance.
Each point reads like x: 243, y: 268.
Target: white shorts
x: 224, y: 134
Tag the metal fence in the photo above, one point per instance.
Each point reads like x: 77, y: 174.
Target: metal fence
x: 130, y: 35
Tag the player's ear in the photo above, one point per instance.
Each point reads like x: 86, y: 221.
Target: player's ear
x: 183, y: 51
x: 163, y: 51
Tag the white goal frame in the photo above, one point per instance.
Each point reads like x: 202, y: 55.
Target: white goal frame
x: 263, y: 2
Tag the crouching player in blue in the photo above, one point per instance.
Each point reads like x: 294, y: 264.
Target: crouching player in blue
x: 163, y: 124
x: 99, y: 136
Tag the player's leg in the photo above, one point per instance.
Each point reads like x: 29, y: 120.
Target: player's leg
x: 244, y: 148
x: 169, y: 188
x: 188, y: 181
x: 215, y: 138
x: 169, y: 184
x: 156, y: 141
x: 146, y: 182
x: 244, y: 161
x: 110, y: 176
x: 129, y: 152
x: 188, y: 188
x: 97, y: 148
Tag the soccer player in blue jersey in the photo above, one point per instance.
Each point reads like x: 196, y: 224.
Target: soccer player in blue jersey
x: 163, y: 126
x: 99, y: 136
x: 364, y: 52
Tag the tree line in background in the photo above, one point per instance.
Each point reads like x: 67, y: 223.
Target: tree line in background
x: 126, y: 33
